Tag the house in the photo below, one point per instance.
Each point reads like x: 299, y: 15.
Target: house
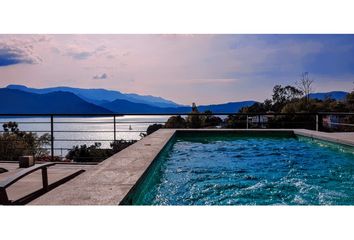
x: 259, y: 120
x: 331, y: 121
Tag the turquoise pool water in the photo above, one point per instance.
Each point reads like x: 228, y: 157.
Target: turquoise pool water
x: 249, y: 170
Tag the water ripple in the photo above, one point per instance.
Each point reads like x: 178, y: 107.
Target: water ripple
x: 253, y: 171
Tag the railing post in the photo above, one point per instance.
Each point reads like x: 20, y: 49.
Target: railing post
x: 317, y: 122
x: 246, y: 121
x: 45, y: 178
x: 52, y: 137
x: 114, y: 134
x: 259, y: 121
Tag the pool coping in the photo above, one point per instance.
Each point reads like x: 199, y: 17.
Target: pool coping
x: 109, y: 182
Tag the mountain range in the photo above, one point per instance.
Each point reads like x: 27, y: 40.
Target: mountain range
x: 338, y: 95
x: 22, y: 99
x: 100, y: 96
x: 16, y: 101
x: 123, y: 106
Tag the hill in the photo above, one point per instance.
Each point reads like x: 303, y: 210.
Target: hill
x: 337, y: 95
x: 123, y: 106
x: 16, y: 101
x: 101, y: 96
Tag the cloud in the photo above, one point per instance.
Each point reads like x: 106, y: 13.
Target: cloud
x: 213, y: 81
x: 102, y: 76
x: 14, y: 51
x: 80, y: 53
x: 185, y: 68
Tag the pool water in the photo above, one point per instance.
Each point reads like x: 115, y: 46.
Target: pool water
x: 249, y: 170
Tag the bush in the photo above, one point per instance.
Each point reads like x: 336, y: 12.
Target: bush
x: 91, y: 153
x: 176, y: 122
x: 119, y: 145
x: 210, y: 121
x: 95, y: 153
x: 153, y: 128
x: 194, y: 120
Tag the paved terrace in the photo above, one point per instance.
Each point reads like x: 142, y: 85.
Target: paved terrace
x: 33, y: 181
x: 110, y: 181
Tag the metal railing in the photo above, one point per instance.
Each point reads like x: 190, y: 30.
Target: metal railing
x: 67, y: 130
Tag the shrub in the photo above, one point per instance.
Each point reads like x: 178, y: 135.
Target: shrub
x: 119, y: 145
x: 152, y: 128
x: 95, y: 153
x: 176, y: 122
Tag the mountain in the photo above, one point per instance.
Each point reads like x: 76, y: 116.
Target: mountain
x: 337, y: 95
x: 50, y: 101
x: 123, y: 106
x: 101, y: 96
x: 231, y: 107
x: 16, y: 101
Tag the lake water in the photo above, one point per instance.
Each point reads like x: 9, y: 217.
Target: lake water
x: 87, y: 130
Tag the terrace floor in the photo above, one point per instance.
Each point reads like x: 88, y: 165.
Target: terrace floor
x: 340, y: 137
x: 33, y: 181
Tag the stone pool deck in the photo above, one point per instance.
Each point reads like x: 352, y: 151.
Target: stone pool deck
x: 346, y: 138
x: 110, y: 181
x: 33, y: 181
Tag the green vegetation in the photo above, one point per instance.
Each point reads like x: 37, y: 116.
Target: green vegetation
x: 194, y: 120
x: 285, y: 99
x: 15, y: 143
x: 176, y: 122
x: 95, y: 153
x: 152, y: 128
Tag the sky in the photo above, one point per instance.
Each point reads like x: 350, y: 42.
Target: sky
x: 204, y: 69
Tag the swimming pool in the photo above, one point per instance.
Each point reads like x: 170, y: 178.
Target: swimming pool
x: 244, y: 169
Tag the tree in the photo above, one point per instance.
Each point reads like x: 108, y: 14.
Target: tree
x: 209, y: 120
x: 283, y: 95
x: 305, y: 85
x: 15, y: 143
x: 194, y: 120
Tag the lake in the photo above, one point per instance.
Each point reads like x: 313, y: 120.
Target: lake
x: 70, y: 131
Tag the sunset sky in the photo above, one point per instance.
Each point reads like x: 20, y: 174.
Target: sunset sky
x: 184, y: 68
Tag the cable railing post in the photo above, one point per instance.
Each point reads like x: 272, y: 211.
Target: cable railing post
x: 317, y: 122
x: 114, y: 133
x: 259, y: 121
x: 52, y: 137
x: 246, y: 121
